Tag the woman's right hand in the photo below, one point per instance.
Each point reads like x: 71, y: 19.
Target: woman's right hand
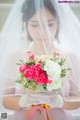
x: 50, y: 98
x: 31, y: 98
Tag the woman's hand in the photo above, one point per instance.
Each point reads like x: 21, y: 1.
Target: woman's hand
x: 31, y: 98
x: 50, y: 98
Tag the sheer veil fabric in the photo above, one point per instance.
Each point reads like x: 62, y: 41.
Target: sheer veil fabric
x: 43, y: 27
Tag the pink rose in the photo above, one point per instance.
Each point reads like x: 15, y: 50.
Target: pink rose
x: 42, y: 79
x: 31, y: 57
x: 30, y: 72
x: 22, y: 68
x: 57, y: 55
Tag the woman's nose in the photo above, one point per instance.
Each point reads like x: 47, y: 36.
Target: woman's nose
x: 43, y: 33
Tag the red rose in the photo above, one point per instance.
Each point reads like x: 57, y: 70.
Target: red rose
x: 39, y: 64
x: 38, y: 70
x: 30, y: 72
x: 22, y: 68
x: 42, y: 79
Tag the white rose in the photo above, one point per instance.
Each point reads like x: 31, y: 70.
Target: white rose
x: 55, y: 85
x: 53, y: 70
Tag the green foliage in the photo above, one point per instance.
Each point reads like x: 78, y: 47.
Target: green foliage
x: 32, y: 85
x: 61, y: 63
x: 20, y: 62
x: 21, y: 75
x: 25, y: 85
x: 41, y: 88
x: 42, y: 67
x: 44, y: 86
x: 30, y: 63
x: 54, y: 56
x: 63, y: 73
x: 17, y: 81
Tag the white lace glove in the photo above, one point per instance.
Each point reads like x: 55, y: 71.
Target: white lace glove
x: 50, y: 98
x: 58, y: 103
x: 31, y: 98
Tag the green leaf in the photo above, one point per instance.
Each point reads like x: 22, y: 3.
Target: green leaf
x: 21, y: 61
x: 61, y: 62
x: 26, y: 85
x: 17, y: 81
x: 41, y: 88
x: 44, y: 86
x: 54, y: 58
x: 18, y: 64
x: 42, y: 67
x: 21, y: 75
x: 30, y: 63
x: 54, y: 54
x: 63, y: 73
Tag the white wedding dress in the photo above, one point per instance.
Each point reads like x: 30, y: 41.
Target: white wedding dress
x: 55, y: 113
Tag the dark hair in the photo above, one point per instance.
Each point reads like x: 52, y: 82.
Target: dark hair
x: 29, y: 9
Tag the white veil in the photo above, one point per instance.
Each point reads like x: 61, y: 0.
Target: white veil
x: 14, y: 37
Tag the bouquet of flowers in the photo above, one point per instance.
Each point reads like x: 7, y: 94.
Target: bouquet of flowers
x: 42, y: 73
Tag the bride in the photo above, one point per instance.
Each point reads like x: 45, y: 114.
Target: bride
x: 43, y: 27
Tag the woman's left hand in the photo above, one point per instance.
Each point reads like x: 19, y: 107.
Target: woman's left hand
x: 51, y: 98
